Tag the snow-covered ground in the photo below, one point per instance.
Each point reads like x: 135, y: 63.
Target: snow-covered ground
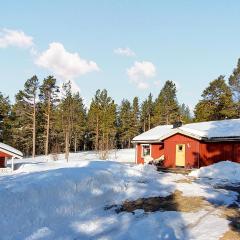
x: 60, y: 200
x: 122, y: 155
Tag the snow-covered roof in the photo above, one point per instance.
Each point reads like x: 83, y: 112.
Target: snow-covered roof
x: 10, y: 150
x: 203, y: 130
x: 216, y: 129
x: 154, y: 134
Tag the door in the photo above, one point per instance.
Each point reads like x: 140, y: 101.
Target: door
x: 180, y: 155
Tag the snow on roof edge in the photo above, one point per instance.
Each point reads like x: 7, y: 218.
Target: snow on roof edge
x: 225, y: 129
x: 10, y: 149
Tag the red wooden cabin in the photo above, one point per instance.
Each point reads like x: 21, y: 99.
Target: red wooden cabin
x: 192, y: 145
x: 8, y: 152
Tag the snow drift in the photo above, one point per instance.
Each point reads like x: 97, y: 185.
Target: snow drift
x: 59, y: 200
x: 225, y: 171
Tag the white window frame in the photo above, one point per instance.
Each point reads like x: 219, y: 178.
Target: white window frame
x: 150, y: 146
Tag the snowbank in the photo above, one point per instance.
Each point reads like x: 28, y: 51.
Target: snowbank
x: 59, y: 200
x: 225, y: 171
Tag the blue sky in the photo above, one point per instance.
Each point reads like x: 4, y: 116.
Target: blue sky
x: 189, y: 42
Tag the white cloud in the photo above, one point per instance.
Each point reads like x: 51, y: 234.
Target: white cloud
x: 140, y: 72
x: 124, y: 52
x: 64, y: 64
x: 15, y: 38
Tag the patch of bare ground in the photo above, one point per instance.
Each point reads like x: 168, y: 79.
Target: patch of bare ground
x: 185, y: 180
x: 173, y: 202
x: 233, y: 215
x: 178, y: 202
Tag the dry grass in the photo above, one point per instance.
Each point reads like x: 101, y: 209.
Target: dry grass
x: 233, y: 215
x: 173, y: 202
x: 178, y: 202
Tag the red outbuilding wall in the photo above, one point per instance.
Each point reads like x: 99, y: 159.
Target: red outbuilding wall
x: 197, y: 153
x: 2, y: 159
x: 214, y: 152
x: 191, y: 148
x: 140, y: 160
x: 157, y: 150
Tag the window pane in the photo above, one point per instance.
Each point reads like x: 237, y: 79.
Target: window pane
x: 146, y: 150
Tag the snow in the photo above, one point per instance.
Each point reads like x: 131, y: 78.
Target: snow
x: 208, y: 192
x: 154, y: 133
x: 10, y: 149
x: 215, y: 129
x: 67, y: 200
x: 122, y: 155
x: 212, y: 129
x: 224, y: 171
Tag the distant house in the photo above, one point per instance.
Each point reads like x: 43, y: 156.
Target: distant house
x: 191, y: 145
x: 8, y: 152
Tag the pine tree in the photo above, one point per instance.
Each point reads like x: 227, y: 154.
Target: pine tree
x: 102, y: 122
x: 107, y: 123
x: 144, y: 115
x: 234, y: 83
x: 185, y: 113
x: 5, y: 111
x: 49, y: 97
x: 125, y: 122
x: 135, y: 117
x: 149, y: 108
x: 166, y: 109
x: 25, y: 109
x: 94, y: 120
x: 216, y: 102
x: 66, y: 115
x: 78, y: 121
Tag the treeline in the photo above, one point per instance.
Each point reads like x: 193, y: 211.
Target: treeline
x: 48, y: 119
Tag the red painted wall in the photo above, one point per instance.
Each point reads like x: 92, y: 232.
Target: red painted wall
x: 191, y: 148
x: 2, y: 154
x: 2, y: 159
x: 157, y: 150
x: 140, y: 160
x: 214, y: 152
x: 197, y: 153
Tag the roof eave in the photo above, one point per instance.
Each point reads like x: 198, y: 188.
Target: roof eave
x: 176, y: 131
x: 221, y: 139
x: 147, y: 141
x: 11, y: 153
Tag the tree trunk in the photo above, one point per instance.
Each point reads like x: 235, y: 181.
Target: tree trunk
x: 67, y: 145
x: 97, y: 135
x: 34, y: 128
x: 47, y: 129
x: 149, y: 121
x: 75, y: 143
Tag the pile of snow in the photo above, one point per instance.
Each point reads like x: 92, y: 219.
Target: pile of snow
x: 56, y: 198
x: 59, y: 200
x: 225, y: 171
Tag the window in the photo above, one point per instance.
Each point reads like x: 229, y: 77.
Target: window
x: 146, y: 151
x: 180, y: 148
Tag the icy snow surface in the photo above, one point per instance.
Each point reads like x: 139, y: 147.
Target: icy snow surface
x: 59, y: 200
x: 224, y: 171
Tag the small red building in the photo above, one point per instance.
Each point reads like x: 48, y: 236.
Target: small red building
x: 191, y: 145
x: 8, y: 152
